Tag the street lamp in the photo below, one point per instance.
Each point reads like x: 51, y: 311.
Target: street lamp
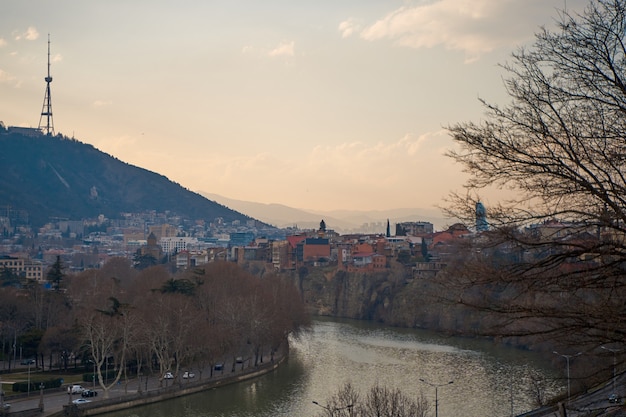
x: 614, y: 351
x: 331, y: 411
x: 93, y: 377
x: 567, y: 358
x: 28, y: 390
x: 436, y: 395
x: 41, y: 387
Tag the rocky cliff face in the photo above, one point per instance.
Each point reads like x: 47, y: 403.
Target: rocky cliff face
x: 357, y: 295
x: 391, y: 297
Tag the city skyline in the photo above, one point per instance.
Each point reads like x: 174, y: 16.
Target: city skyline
x: 332, y: 105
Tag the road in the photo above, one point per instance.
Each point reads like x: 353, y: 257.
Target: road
x: 594, y: 402
x: 54, y: 400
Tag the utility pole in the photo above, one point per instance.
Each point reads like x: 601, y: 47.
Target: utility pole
x: 567, y: 358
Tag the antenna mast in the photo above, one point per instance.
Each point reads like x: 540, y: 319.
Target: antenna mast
x: 46, y: 110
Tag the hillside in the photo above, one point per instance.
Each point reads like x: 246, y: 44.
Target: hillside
x: 61, y: 177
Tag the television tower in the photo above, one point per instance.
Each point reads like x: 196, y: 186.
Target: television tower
x: 46, y: 110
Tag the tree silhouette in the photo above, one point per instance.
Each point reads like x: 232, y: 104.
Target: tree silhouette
x: 55, y: 274
x: 553, y: 259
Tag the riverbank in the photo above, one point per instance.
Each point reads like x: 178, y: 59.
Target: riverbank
x: 59, y: 404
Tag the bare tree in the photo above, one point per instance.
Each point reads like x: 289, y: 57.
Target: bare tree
x: 109, y: 335
x: 380, y: 401
x: 560, y: 145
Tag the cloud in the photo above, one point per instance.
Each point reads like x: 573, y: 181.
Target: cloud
x: 348, y: 28
x: 284, y: 49
x: 346, y: 158
x: 57, y: 58
x: 3, y: 42
x: 31, y: 34
x: 474, y: 27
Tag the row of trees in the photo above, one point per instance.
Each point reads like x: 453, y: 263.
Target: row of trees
x: 151, y: 323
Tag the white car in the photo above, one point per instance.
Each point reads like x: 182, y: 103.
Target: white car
x: 188, y: 375
x: 81, y: 401
x: 168, y: 375
x: 76, y: 389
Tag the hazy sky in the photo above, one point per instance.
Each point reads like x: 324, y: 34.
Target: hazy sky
x: 326, y: 104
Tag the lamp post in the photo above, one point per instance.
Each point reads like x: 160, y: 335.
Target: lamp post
x: 41, y: 387
x: 331, y: 411
x: 28, y: 389
x: 437, y: 386
x: 614, y: 351
x: 567, y: 358
x: 93, y: 377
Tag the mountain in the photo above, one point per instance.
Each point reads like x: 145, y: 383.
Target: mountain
x: 343, y: 221
x: 54, y: 176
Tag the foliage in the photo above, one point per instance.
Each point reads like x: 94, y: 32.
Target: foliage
x: 552, y: 263
x: 55, y: 274
x: 143, y: 261
x: 35, y: 385
x: 181, y: 286
x: 404, y: 257
x: 8, y: 278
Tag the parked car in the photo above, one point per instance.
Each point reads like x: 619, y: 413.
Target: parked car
x: 239, y: 359
x: 219, y: 367
x: 76, y: 389
x: 614, y: 399
x: 27, y: 362
x: 89, y: 393
x: 188, y: 375
x: 6, y: 406
x: 168, y: 375
x: 80, y: 401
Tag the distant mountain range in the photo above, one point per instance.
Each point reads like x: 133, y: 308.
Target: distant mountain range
x: 343, y: 221
x: 54, y: 176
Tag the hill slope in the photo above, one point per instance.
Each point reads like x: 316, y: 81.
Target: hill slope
x: 60, y: 177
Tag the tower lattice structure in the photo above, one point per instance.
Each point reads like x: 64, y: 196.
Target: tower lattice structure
x: 46, y: 110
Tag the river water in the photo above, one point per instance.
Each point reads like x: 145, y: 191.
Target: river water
x: 488, y: 381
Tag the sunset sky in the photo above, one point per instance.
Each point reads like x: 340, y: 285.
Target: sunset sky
x: 327, y: 104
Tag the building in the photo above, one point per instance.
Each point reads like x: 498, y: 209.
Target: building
x: 163, y: 230
x: 171, y: 245
x: 414, y: 228
x: 191, y: 259
x: 281, y: 258
x: 151, y: 248
x: 23, y: 268
x: 241, y: 238
x: 313, y: 249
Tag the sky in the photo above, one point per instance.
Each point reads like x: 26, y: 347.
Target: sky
x: 322, y: 105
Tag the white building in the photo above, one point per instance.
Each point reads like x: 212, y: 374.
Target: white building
x: 172, y: 245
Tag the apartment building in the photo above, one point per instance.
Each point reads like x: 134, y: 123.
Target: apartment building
x: 23, y: 267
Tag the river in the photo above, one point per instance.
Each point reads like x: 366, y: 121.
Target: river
x: 486, y: 380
